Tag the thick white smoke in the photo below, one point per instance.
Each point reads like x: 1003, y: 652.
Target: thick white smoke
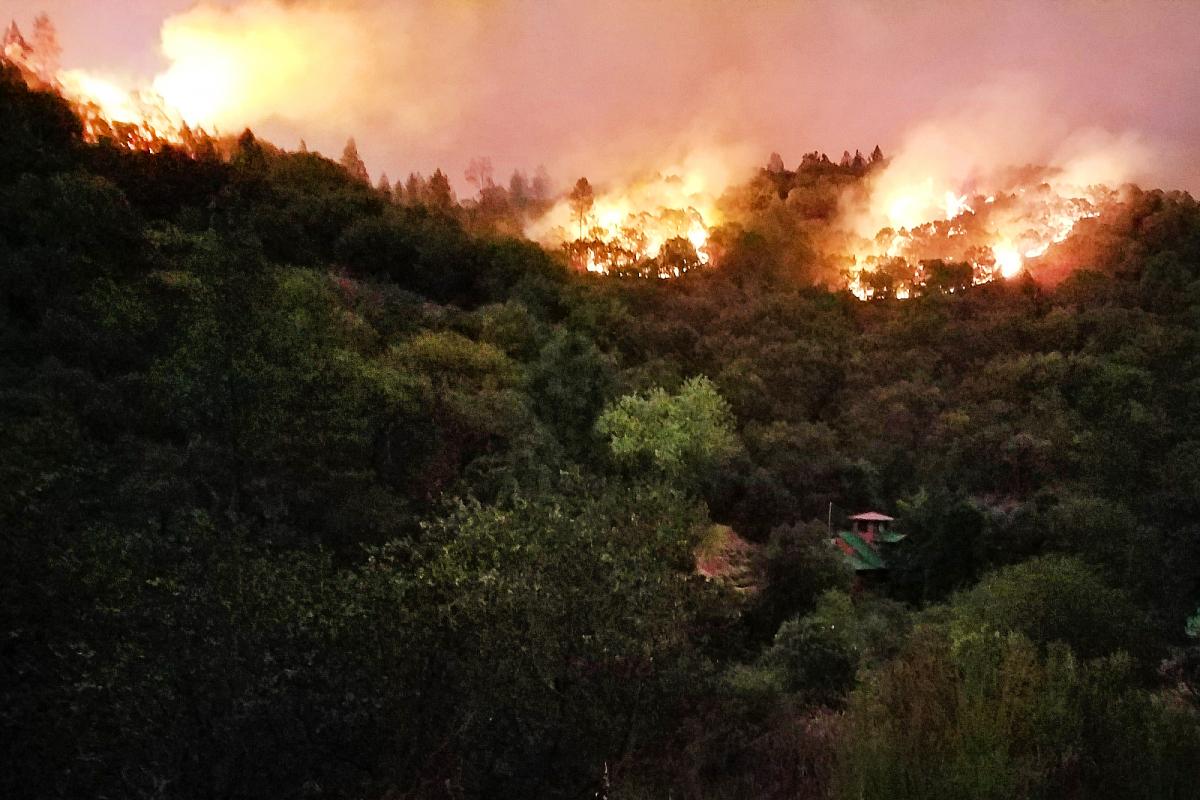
x: 977, y: 143
x: 622, y: 87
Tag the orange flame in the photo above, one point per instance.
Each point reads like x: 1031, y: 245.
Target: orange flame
x: 1012, y: 227
x: 629, y: 227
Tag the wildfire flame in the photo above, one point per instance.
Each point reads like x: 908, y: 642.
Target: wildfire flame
x: 660, y: 225
x: 218, y: 74
x: 996, y: 232
x: 657, y: 225
x: 108, y: 107
x: 137, y: 119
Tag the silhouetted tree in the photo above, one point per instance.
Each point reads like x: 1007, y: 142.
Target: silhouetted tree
x: 440, y: 195
x: 582, y: 199
x: 541, y: 187
x: 249, y: 156
x: 353, y: 163
x: 678, y: 256
x: 479, y: 174
x: 415, y: 188
x: 519, y: 190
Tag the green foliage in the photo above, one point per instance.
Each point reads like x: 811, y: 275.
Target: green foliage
x: 991, y: 717
x: 563, y: 650
x: 570, y: 382
x: 813, y: 658
x: 307, y: 490
x: 816, y: 656
x: 800, y: 564
x: 379, y: 246
x: 682, y: 437
x: 943, y: 549
x: 183, y: 616
x: 1052, y: 599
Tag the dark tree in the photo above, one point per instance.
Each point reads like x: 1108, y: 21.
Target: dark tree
x: 353, y: 163
x: 520, y: 193
x: 439, y: 193
x: 582, y: 199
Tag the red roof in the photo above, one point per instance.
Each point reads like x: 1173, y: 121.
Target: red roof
x: 873, y: 516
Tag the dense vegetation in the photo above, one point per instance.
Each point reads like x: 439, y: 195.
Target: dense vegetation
x: 305, y: 492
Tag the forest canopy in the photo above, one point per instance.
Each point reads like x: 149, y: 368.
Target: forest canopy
x: 314, y: 488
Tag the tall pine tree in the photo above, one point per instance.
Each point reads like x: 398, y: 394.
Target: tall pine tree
x: 354, y: 163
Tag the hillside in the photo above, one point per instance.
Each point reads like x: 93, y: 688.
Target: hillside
x: 307, y: 492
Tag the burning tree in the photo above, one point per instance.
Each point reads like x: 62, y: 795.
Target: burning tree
x: 677, y: 256
x: 582, y: 199
x: 133, y: 119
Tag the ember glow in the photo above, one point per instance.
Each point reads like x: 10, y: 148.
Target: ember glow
x: 997, y: 233
x: 108, y: 107
x: 995, y: 229
x: 227, y: 68
x: 234, y: 66
x: 956, y: 193
x: 137, y: 119
x: 421, y: 84
x: 655, y: 226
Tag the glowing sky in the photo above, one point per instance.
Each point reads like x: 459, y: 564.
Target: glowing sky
x: 605, y: 88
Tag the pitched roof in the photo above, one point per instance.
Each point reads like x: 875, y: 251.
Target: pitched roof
x: 862, y: 555
x: 873, y: 516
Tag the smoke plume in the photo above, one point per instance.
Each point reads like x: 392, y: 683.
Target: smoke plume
x: 618, y: 88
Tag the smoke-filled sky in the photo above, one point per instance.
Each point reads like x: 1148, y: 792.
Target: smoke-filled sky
x: 610, y: 88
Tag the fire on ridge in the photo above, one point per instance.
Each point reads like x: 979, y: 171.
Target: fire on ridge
x: 135, y: 118
x: 895, y: 232
x: 653, y: 226
x: 987, y: 234
x: 887, y: 240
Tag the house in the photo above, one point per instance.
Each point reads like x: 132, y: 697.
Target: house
x: 863, y: 543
